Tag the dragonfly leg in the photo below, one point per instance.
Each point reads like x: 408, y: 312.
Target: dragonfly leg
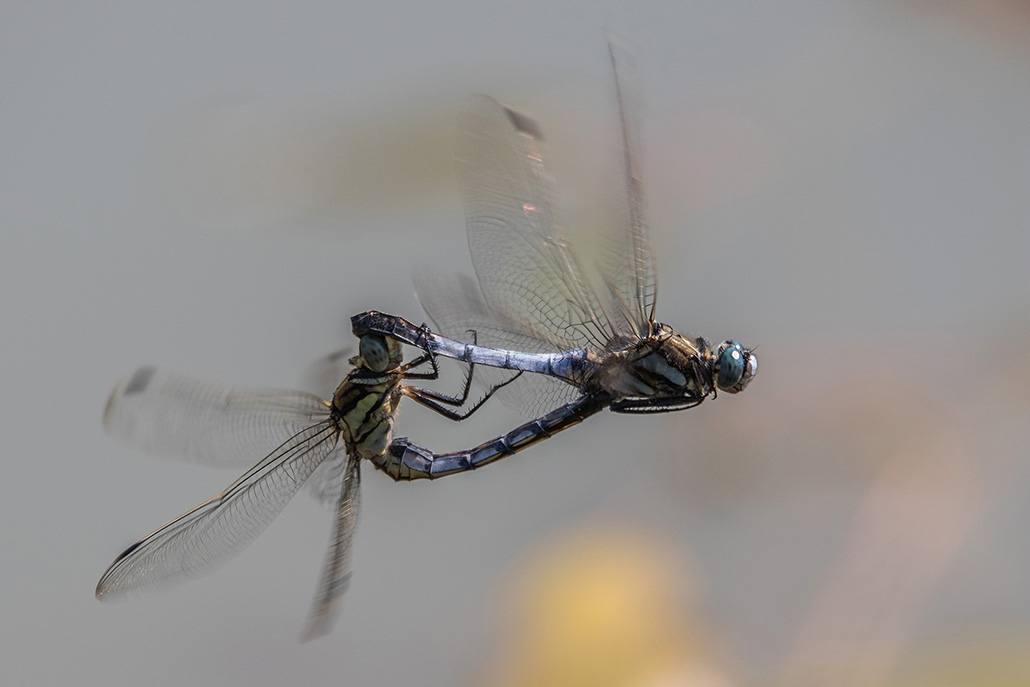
x: 406, y: 460
x: 430, y: 357
x: 422, y: 360
x: 427, y: 357
x: 444, y: 398
x: 702, y: 382
x: 655, y: 405
x: 432, y: 399
x: 418, y: 362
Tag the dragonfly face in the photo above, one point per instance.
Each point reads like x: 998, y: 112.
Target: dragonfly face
x: 734, y: 366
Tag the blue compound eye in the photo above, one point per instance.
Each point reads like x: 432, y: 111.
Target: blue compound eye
x: 730, y: 366
x: 374, y: 353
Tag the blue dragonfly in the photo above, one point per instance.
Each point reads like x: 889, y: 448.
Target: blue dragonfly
x: 581, y: 318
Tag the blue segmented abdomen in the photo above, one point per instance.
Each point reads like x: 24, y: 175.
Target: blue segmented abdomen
x: 406, y: 460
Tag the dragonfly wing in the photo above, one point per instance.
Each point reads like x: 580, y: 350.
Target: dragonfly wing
x: 324, y: 484
x: 456, y: 308
x: 624, y: 254
x: 177, y: 416
x: 528, y: 275
x: 336, y: 570
x: 324, y: 375
x: 207, y: 536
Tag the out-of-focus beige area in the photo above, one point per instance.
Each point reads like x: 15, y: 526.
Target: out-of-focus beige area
x: 217, y: 188
x: 600, y: 605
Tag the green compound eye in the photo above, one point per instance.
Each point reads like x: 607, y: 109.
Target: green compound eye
x: 373, y: 351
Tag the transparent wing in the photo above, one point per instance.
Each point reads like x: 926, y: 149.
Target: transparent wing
x: 177, y: 416
x: 455, y: 307
x: 336, y: 570
x: 207, y: 536
x: 528, y: 275
x: 325, y: 374
x: 324, y: 483
x: 624, y: 252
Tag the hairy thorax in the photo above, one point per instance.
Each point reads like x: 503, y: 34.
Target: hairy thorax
x: 655, y: 367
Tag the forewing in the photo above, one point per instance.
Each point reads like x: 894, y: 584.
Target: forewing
x: 336, y: 570
x: 624, y: 253
x: 177, y: 416
x: 528, y: 275
x: 207, y: 536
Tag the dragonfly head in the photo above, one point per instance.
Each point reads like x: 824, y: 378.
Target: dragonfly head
x: 734, y: 366
x: 377, y: 353
x: 729, y: 366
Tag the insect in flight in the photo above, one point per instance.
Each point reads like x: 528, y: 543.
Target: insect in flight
x: 585, y: 323
x: 300, y: 435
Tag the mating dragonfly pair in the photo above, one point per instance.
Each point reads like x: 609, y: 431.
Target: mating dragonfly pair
x: 584, y: 327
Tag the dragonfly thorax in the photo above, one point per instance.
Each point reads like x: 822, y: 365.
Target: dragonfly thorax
x: 665, y: 366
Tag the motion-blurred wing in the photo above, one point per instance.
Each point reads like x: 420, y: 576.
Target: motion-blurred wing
x: 177, y: 416
x: 336, y: 570
x: 207, y: 536
x: 325, y: 374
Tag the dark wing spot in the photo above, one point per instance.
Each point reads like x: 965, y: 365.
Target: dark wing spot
x: 140, y: 380
x: 524, y: 125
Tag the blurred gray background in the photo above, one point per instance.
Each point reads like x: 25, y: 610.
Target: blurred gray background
x: 216, y: 187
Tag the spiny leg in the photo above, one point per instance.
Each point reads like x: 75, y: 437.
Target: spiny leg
x: 434, y: 400
x: 424, y: 394
x: 655, y: 405
x: 427, y: 356
x: 416, y: 362
x: 430, y: 357
x: 430, y: 398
